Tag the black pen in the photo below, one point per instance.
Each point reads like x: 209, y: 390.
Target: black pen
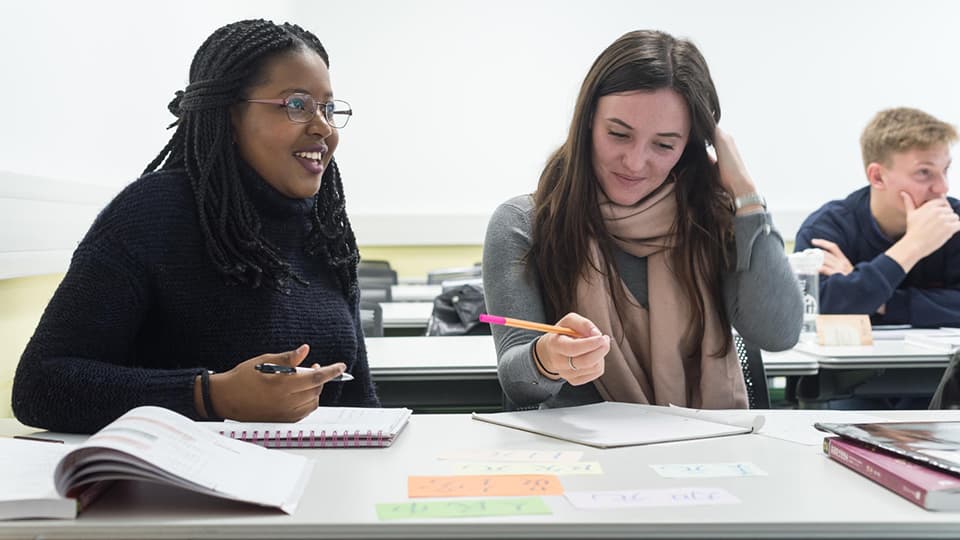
x: 277, y: 368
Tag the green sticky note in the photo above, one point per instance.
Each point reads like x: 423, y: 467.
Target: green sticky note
x: 462, y: 508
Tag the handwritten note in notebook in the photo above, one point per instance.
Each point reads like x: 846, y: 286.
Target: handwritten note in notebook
x: 335, y: 427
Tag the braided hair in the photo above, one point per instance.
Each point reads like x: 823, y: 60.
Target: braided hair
x: 229, y: 62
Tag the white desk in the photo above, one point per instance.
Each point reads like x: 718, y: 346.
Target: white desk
x: 789, y: 362
x: 883, y: 354
x: 805, y: 495
x: 414, y: 293
x: 476, y: 356
x: 435, y: 357
x: 406, y: 314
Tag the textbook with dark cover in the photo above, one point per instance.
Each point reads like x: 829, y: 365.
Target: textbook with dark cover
x: 934, y: 443
x: 925, y: 486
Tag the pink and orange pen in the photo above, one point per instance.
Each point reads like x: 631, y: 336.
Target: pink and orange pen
x: 529, y: 325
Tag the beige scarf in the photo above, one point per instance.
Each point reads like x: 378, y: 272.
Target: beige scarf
x: 647, y: 366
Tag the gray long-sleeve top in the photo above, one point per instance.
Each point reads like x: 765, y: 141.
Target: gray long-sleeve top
x: 761, y: 294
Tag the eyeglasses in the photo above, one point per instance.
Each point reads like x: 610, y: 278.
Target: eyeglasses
x: 302, y: 108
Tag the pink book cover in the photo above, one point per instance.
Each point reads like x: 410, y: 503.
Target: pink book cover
x: 924, y: 486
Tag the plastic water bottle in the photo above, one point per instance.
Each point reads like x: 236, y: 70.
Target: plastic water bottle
x: 806, y: 266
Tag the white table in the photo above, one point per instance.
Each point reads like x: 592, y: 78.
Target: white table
x: 406, y: 314
x: 804, y: 495
x: 414, y: 292
x: 476, y: 356
x: 883, y: 354
x: 419, y: 357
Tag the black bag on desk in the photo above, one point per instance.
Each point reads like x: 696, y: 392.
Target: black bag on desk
x: 457, y: 313
x: 947, y: 395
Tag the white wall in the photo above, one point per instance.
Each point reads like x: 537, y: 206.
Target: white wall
x: 459, y: 102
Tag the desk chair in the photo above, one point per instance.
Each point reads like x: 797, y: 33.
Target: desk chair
x: 758, y: 396
x: 371, y: 318
x: 376, y: 272
x: 947, y: 395
x: 374, y: 293
x: 372, y: 264
x: 438, y: 276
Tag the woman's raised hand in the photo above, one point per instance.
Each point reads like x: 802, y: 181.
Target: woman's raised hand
x: 577, y: 360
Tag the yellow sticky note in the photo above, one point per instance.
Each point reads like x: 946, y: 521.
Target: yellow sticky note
x: 484, y: 485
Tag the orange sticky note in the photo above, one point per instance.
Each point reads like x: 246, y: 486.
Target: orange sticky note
x: 509, y: 485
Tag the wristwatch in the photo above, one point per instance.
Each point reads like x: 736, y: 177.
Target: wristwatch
x: 750, y: 199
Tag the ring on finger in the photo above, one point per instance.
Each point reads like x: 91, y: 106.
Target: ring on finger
x: 570, y: 361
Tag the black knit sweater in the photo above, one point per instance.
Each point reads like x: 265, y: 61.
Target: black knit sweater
x: 142, y: 311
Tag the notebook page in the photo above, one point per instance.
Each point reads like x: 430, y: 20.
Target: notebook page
x: 26, y: 470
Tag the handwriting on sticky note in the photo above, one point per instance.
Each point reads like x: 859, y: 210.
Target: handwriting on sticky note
x: 707, y: 470
x: 462, y: 508
x: 844, y: 330
x: 483, y: 485
x: 559, y: 469
x: 565, y: 456
x: 688, y: 496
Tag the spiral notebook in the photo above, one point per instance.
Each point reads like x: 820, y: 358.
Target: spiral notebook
x: 327, y: 427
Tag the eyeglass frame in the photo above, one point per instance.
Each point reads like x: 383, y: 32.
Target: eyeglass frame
x: 328, y: 106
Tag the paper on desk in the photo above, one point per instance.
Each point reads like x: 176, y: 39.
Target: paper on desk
x: 707, y: 470
x: 483, y: 485
x: 730, y: 417
x: 797, y: 426
x: 462, y: 509
x: 686, y: 496
x: 559, y: 469
x: 564, y: 456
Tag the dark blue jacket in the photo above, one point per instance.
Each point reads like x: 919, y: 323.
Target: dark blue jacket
x: 928, y: 296
x: 142, y: 311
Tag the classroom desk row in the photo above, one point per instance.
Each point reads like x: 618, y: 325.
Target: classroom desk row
x: 804, y: 494
x: 459, y: 373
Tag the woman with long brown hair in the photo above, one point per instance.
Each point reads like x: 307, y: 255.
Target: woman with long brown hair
x: 641, y: 242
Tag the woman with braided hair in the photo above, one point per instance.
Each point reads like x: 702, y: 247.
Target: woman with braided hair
x: 232, y: 249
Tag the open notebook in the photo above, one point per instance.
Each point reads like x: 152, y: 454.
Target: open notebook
x: 327, y: 427
x: 611, y: 424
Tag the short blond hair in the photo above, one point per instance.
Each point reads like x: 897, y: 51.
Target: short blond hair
x: 901, y: 129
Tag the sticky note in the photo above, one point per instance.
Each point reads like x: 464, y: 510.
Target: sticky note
x: 563, y: 456
x: 559, y: 469
x: 483, y: 485
x: 687, y: 496
x: 462, y: 508
x: 707, y: 470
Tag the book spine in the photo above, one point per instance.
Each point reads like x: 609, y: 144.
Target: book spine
x: 887, y: 478
x: 311, y: 439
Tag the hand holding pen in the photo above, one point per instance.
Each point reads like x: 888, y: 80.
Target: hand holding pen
x: 574, y: 349
x: 247, y: 394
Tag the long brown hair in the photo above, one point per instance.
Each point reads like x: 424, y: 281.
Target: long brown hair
x: 567, y: 213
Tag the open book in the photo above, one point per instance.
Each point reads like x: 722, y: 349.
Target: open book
x: 335, y: 427
x: 149, y: 444
x: 610, y: 424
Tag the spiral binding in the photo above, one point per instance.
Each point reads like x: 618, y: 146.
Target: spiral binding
x: 343, y: 439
